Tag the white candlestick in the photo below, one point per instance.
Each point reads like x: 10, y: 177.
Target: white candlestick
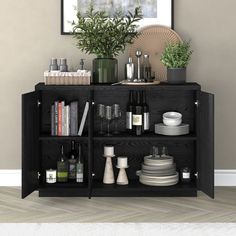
x: 108, y: 177
x: 122, y: 162
x: 109, y: 151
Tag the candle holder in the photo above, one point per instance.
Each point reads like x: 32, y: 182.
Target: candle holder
x: 108, y: 177
x: 122, y: 178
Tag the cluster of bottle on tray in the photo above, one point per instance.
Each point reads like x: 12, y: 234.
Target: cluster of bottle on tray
x: 68, y: 169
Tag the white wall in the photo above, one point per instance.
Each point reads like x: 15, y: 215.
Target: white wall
x: 30, y: 36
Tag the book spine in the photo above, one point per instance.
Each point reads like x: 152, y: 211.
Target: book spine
x: 74, y: 118
x: 59, y: 119
x: 56, y: 117
x: 63, y: 118
x: 67, y: 120
x: 83, y: 120
x: 53, y: 120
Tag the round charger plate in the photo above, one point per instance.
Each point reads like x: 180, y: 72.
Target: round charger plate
x: 152, y: 41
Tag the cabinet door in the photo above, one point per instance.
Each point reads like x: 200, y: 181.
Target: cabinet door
x: 30, y: 144
x: 206, y: 144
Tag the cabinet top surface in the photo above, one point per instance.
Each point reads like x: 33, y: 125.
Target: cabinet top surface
x: 161, y: 86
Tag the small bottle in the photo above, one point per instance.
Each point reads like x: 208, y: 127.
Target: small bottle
x: 62, y: 167
x: 63, y: 65
x: 129, y: 70
x: 129, y: 112
x: 146, y: 113
x: 72, y: 162
x: 138, y: 116
x: 146, y: 69
x: 79, y: 168
x: 53, y: 64
x: 185, y: 175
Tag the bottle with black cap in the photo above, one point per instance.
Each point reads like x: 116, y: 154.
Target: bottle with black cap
x: 138, y: 115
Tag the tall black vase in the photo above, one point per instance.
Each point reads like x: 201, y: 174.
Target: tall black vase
x: 105, y: 70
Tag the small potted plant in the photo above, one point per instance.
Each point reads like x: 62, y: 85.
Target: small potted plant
x: 176, y: 57
x: 98, y: 33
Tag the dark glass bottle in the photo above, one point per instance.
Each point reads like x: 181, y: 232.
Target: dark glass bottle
x: 80, y: 167
x: 72, y: 162
x: 145, y: 113
x: 138, y: 116
x: 129, y: 111
x: 62, y: 167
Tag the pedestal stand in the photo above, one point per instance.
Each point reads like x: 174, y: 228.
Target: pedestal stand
x: 122, y: 178
x: 108, y: 177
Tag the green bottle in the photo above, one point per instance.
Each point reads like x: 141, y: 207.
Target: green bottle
x: 79, y: 168
x: 72, y: 162
x: 62, y: 167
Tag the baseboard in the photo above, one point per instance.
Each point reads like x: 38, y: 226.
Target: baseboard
x: 225, y: 177
x: 10, y: 177
x: 222, y: 177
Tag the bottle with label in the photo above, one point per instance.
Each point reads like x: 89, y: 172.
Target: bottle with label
x: 129, y: 70
x: 72, y: 162
x: 145, y: 113
x: 146, y: 69
x: 138, y: 116
x: 185, y: 175
x: 62, y: 167
x: 129, y: 111
x: 79, y: 168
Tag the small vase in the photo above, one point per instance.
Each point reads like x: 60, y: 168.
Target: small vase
x: 176, y: 75
x: 105, y: 70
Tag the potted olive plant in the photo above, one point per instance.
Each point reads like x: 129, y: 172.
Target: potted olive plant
x: 97, y: 33
x: 176, y: 57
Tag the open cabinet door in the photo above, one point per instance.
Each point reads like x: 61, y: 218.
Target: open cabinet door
x: 206, y: 144
x: 30, y: 143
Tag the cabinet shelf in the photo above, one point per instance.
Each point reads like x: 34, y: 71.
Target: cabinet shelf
x: 155, y: 137
x: 135, y: 188
x: 57, y: 138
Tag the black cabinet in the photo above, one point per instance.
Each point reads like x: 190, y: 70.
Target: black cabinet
x: 40, y: 150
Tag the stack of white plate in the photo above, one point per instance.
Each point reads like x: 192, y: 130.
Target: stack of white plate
x: 159, y: 171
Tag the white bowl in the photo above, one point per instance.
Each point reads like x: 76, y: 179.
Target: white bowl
x: 172, y: 115
x: 172, y: 122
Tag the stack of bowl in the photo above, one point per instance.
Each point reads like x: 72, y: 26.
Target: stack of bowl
x: 172, y: 124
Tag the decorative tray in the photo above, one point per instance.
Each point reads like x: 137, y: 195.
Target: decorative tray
x: 67, y: 78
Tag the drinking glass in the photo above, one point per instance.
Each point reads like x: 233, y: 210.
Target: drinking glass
x: 101, y: 115
x: 116, y: 114
x: 108, y: 117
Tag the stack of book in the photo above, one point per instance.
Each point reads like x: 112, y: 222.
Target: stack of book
x: 65, y: 120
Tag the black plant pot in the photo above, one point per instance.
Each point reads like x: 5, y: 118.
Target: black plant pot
x: 105, y: 70
x: 176, y: 75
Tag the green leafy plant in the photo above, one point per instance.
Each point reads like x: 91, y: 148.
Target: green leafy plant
x: 97, y: 33
x: 177, y: 55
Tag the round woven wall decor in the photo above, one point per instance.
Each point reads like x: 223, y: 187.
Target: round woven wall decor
x: 152, y: 41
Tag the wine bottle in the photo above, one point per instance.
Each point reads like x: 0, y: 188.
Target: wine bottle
x: 62, y: 167
x: 72, y: 162
x: 138, y: 116
x: 79, y: 168
x: 129, y: 112
x: 145, y: 113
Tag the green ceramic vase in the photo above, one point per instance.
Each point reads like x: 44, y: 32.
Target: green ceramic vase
x: 105, y: 70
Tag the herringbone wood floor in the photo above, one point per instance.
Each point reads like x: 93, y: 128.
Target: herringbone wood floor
x: 35, y: 209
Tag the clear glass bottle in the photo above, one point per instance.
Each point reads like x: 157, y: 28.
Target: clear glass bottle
x: 72, y: 162
x: 79, y: 168
x: 62, y: 167
x: 146, y: 69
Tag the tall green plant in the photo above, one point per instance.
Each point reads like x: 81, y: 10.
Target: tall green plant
x: 177, y: 55
x: 97, y: 33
